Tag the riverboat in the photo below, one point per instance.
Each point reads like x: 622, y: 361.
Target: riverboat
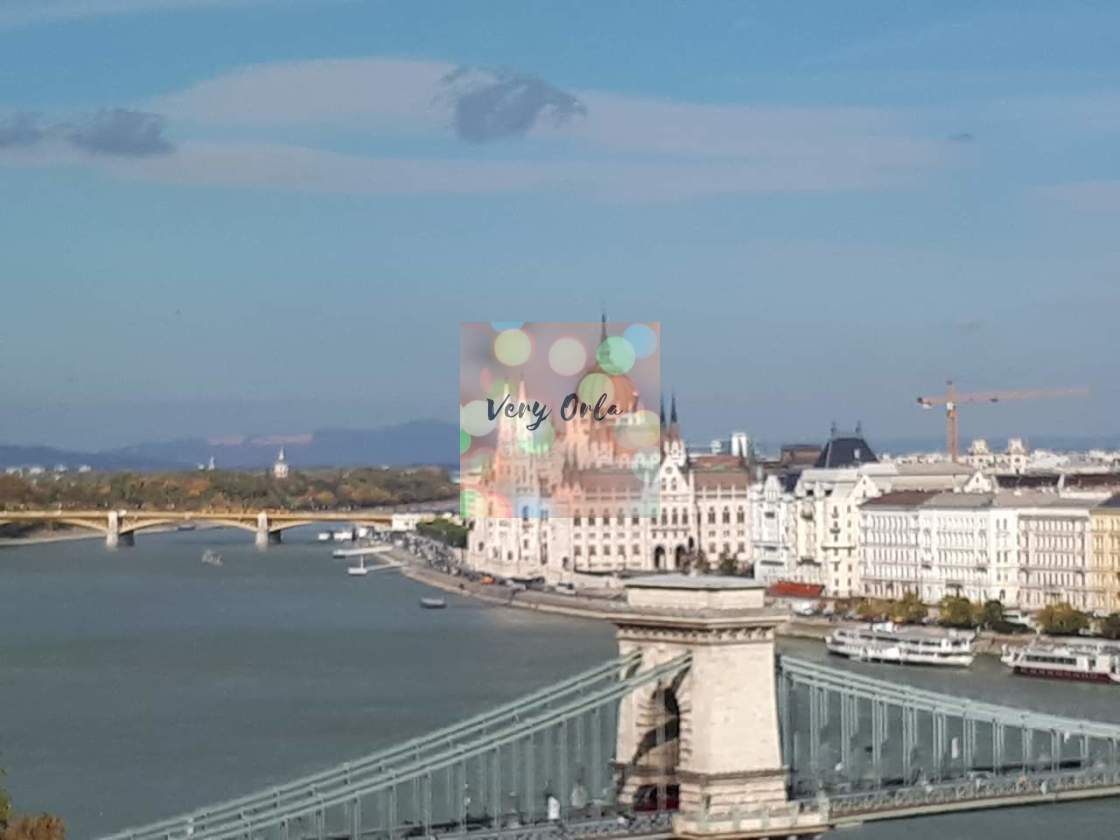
x: 1084, y: 661
x: 211, y: 558
x: 433, y: 603
x: 889, y: 643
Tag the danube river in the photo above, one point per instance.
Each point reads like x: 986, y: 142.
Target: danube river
x: 137, y: 683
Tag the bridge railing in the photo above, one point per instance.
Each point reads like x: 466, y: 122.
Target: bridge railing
x: 845, y: 733
x: 554, y: 737
x: 353, y: 771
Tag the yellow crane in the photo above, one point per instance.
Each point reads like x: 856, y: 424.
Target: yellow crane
x: 951, y: 400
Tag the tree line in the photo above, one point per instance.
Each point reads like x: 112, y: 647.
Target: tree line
x: 227, y: 490
x: 954, y: 611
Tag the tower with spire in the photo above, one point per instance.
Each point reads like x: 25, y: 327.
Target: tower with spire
x: 280, y: 466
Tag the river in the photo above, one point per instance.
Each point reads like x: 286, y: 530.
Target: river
x: 140, y: 682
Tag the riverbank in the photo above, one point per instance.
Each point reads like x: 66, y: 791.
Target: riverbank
x: 50, y: 536
x: 605, y: 608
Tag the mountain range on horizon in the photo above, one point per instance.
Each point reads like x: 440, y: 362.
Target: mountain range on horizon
x: 402, y: 444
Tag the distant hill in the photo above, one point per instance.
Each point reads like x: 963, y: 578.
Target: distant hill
x: 414, y: 442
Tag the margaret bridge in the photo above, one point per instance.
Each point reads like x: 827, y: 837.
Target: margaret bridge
x: 120, y: 526
x: 698, y: 729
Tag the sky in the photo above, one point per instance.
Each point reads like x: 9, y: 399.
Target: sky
x: 269, y: 216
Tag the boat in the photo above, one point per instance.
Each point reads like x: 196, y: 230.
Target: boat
x: 343, y: 535
x: 324, y: 536
x: 185, y: 526
x: 1084, y: 661
x: 360, y: 570
x: 211, y: 557
x: 889, y: 643
x: 433, y: 603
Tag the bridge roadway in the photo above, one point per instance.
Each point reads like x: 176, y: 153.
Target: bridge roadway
x: 119, y: 526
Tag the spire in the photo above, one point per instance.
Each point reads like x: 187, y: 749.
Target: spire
x: 662, y: 411
x: 832, y: 431
x: 603, y: 327
x: 859, y: 428
x: 674, y: 426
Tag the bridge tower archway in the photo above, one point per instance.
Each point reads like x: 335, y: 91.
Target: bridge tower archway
x: 705, y: 740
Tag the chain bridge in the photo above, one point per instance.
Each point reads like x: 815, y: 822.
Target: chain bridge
x: 697, y: 729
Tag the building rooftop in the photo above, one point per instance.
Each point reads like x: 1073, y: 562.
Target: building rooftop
x: 846, y: 451
x: 900, y: 499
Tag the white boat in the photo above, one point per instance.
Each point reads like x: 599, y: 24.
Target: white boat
x: 890, y: 643
x: 360, y: 570
x: 433, y: 603
x: 1084, y: 661
x: 343, y: 535
x: 324, y: 536
x: 211, y: 558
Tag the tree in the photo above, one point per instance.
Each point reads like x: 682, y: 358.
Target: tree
x: 727, y: 564
x: 41, y: 827
x: 1110, y: 626
x: 991, y: 615
x: 909, y: 609
x: 955, y: 611
x: 873, y: 609
x: 5, y: 806
x: 1062, y: 620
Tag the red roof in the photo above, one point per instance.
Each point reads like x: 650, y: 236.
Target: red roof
x: 792, y: 589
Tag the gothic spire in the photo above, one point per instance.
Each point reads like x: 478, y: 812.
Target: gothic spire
x: 603, y: 327
x: 662, y: 411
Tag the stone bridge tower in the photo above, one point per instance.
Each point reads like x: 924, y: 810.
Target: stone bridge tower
x: 713, y: 731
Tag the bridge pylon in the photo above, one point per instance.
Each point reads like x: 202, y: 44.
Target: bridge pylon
x: 114, y: 537
x: 710, y: 734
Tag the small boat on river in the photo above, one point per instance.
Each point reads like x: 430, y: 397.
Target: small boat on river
x: 211, y: 557
x: 433, y: 603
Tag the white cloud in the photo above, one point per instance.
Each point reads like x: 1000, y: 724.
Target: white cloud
x: 278, y: 166
x: 610, y: 146
x: 381, y: 94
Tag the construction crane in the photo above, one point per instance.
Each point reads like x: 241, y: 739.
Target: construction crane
x: 951, y: 400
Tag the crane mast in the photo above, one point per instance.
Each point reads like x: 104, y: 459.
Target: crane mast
x: 953, y: 400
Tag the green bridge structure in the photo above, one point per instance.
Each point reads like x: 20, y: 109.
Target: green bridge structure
x: 698, y: 729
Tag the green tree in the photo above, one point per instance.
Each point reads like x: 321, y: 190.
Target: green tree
x: 955, y: 611
x: 991, y: 615
x: 728, y: 564
x: 873, y: 609
x: 1110, y: 626
x: 1062, y: 620
x: 909, y: 609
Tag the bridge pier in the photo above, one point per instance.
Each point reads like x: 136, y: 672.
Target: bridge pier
x: 265, y: 537
x: 722, y: 714
x: 114, y: 538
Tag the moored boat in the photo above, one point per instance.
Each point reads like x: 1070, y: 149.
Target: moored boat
x: 324, y: 536
x: 889, y: 643
x: 1084, y: 661
x: 433, y: 603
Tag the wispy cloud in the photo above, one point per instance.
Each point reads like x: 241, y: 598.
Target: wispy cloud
x: 117, y: 132
x: 493, y: 106
x: 590, y: 142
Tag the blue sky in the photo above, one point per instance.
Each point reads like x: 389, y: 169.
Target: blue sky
x: 234, y: 217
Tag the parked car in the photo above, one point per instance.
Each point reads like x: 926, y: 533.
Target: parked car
x: 649, y: 798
